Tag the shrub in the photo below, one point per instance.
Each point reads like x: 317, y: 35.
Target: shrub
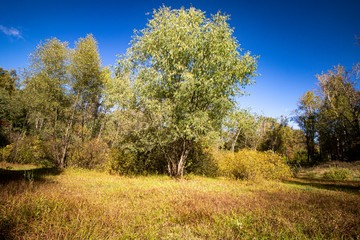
x: 122, y: 162
x: 300, y: 156
x: 128, y: 161
x: 94, y: 153
x: 200, y: 162
x: 252, y: 165
x: 5, y: 152
x: 337, y: 174
x: 26, y: 150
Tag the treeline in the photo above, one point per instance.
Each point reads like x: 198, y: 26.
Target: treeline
x: 167, y: 106
x: 330, y: 116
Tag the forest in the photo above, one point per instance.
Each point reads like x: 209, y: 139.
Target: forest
x: 169, y: 106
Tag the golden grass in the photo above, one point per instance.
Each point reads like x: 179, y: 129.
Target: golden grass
x: 83, y: 204
x: 319, y: 170
x: 15, y: 166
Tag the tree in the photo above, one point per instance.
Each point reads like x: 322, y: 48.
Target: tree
x: 7, y: 89
x: 87, y: 81
x: 184, y: 70
x: 48, y: 96
x: 62, y: 89
x: 242, y: 128
x: 332, y: 115
x: 306, y: 118
x: 339, y: 117
x: 12, y: 111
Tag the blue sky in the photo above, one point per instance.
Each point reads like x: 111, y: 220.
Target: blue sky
x: 295, y: 39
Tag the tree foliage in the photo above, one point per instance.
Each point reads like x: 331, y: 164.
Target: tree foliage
x: 184, y: 71
x: 62, y: 94
x: 330, y: 115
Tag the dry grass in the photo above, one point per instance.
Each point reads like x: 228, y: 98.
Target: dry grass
x: 319, y: 170
x: 15, y: 166
x: 82, y: 204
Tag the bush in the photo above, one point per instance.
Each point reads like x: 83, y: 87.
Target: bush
x: 252, y: 165
x: 300, y: 157
x: 337, y: 174
x: 26, y: 150
x: 5, y: 153
x: 122, y: 162
x: 92, y: 154
x: 200, y: 162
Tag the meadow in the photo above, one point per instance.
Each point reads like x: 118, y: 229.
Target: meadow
x: 87, y: 204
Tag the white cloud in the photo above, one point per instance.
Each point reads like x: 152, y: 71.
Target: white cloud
x: 11, y: 32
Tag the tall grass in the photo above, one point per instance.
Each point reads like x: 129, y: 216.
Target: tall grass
x: 84, y: 204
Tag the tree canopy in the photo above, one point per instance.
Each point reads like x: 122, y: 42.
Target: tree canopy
x: 184, y: 70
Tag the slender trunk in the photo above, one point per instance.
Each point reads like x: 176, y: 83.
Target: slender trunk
x: 180, y: 166
x: 235, y: 140
x: 67, y: 135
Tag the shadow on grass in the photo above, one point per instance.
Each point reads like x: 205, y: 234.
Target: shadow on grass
x: 344, y: 186
x: 36, y: 174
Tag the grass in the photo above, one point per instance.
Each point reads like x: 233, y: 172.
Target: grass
x: 322, y: 170
x: 15, y: 166
x: 84, y: 204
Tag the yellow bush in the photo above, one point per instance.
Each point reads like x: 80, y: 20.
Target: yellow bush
x: 251, y: 165
x: 5, y: 152
x: 26, y: 150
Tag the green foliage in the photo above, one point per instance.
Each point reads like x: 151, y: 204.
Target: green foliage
x: 337, y: 174
x: 127, y: 161
x: 252, y: 165
x: 62, y: 89
x: 5, y: 152
x: 123, y: 162
x: 300, y: 156
x: 10, y: 106
x: 331, y: 117
x: 242, y: 129
x: 180, y: 77
x: 307, y: 112
x: 8, y: 80
x: 93, y: 154
x: 201, y: 162
x: 27, y: 150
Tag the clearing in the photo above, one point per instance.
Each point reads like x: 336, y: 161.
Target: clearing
x: 85, y: 204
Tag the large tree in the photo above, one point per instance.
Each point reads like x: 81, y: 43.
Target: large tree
x: 184, y: 70
x: 62, y: 89
x: 47, y: 95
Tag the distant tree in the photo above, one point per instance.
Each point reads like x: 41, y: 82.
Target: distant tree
x: 7, y: 89
x: 306, y: 118
x: 332, y: 115
x: 339, y: 117
x: 8, y: 80
x: 63, y: 90
x: 12, y: 110
x: 48, y: 95
x: 184, y: 70
x: 242, y: 127
x: 87, y: 82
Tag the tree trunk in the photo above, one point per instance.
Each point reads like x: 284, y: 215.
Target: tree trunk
x: 235, y: 140
x: 176, y: 163
x: 61, y: 163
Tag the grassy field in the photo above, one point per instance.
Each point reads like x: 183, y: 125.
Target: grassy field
x: 83, y: 204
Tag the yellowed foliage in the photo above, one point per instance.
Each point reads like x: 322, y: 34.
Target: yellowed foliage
x: 251, y: 165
